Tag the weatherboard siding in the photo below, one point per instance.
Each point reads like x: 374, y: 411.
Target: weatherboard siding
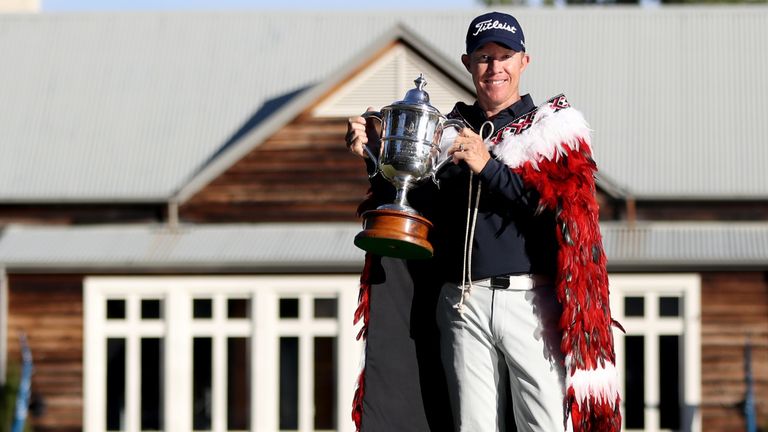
x: 302, y: 173
x: 49, y: 310
x: 734, y: 308
x: 81, y: 213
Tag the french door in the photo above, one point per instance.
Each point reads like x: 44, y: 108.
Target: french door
x: 659, y: 357
x: 206, y: 353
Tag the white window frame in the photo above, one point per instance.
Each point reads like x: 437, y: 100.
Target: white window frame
x: 687, y: 326
x: 178, y: 329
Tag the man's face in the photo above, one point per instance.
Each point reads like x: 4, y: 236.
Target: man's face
x: 496, y: 73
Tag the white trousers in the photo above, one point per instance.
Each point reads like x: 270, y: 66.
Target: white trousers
x: 503, y: 334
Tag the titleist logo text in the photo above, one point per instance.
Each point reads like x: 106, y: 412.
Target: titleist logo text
x: 493, y: 24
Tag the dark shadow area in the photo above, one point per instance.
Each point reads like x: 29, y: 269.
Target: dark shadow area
x: 269, y: 107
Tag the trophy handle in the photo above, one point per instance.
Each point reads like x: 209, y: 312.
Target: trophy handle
x: 451, y: 123
x: 377, y: 115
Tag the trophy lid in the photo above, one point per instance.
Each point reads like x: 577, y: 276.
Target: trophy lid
x: 417, y: 96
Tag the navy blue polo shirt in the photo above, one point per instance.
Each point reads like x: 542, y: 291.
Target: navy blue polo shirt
x: 509, y: 237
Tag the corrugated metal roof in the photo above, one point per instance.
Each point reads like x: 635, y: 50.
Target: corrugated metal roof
x: 324, y: 247
x: 127, y: 106
x: 192, y: 248
x: 704, y: 245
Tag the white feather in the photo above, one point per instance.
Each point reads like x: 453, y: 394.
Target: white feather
x: 600, y: 383
x: 545, y: 139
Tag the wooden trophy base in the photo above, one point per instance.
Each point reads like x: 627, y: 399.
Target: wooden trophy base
x: 396, y: 234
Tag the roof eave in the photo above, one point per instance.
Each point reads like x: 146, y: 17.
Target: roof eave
x: 315, y: 267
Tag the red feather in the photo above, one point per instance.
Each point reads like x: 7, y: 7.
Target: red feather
x: 567, y: 187
x: 362, y: 312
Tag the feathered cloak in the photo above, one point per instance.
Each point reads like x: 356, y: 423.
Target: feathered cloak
x: 550, y: 149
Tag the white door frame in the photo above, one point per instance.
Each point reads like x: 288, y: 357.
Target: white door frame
x: 688, y: 326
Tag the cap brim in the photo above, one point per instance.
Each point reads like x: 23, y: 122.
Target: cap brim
x: 493, y: 38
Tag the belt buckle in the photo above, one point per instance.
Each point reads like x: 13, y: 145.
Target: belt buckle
x: 500, y: 282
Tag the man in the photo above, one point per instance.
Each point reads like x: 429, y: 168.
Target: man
x: 524, y: 295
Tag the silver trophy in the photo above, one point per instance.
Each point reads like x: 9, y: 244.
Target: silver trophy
x: 411, y: 131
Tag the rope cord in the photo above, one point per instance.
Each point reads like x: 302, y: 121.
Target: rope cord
x: 469, y: 234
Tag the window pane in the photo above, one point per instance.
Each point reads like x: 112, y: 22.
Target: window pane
x: 289, y: 383
x: 238, y: 383
x: 202, y: 364
x: 325, y: 308
x: 151, y: 309
x: 669, y: 382
x: 151, y: 384
x: 238, y: 308
x: 115, y: 384
x: 634, y: 384
x: 289, y: 308
x: 669, y: 306
x: 202, y: 308
x: 115, y: 309
x: 634, y: 306
x: 325, y: 383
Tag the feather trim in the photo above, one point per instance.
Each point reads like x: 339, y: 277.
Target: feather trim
x: 599, y: 383
x: 550, y: 150
x: 552, y: 131
x: 362, y: 313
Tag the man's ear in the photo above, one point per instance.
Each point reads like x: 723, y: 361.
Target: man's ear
x: 525, y: 61
x: 465, y: 61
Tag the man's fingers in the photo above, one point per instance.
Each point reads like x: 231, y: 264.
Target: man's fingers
x: 356, y: 137
x: 356, y: 147
x: 467, y: 132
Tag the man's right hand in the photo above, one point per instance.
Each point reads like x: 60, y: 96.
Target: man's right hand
x: 359, y: 132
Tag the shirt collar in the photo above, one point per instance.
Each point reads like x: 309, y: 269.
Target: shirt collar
x: 475, y: 116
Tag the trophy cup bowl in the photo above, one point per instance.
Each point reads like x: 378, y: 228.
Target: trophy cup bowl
x: 411, y: 130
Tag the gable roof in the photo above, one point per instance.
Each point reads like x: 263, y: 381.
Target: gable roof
x: 106, y: 107
x: 300, y: 103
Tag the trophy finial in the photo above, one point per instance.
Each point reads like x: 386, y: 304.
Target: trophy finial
x: 417, y: 95
x: 420, y: 82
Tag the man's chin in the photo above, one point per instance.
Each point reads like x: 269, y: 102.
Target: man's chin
x: 493, y: 100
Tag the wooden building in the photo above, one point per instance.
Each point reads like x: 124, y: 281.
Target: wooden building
x: 178, y: 207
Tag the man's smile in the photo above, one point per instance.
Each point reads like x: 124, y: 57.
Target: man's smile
x: 495, y: 81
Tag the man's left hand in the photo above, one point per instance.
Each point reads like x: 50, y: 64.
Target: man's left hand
x: 470, y: 148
